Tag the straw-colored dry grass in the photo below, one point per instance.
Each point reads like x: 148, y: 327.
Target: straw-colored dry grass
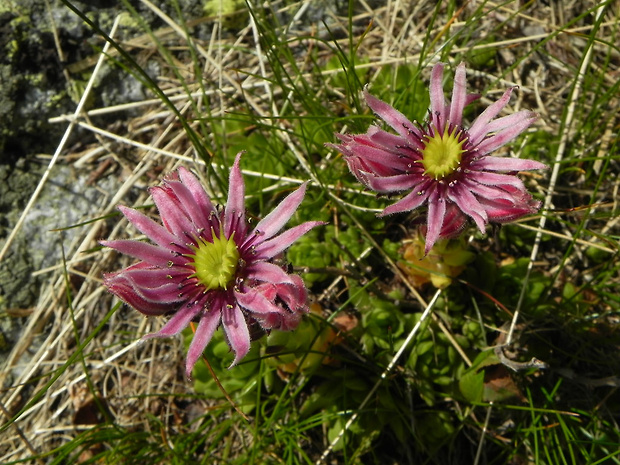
x: 537, y: 47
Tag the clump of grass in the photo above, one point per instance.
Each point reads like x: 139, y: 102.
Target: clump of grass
x: 468, y: 387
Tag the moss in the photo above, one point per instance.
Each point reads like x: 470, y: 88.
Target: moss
x: 213, y: 7
x: 229, y: 9
x: 17, y: 288
x: 8, y: 6
x: 57, y: 99
x: 127, y: 21
x: 32, y: 86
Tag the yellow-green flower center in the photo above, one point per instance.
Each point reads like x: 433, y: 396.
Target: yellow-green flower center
x: 442, y: 153
x: 215, y: 262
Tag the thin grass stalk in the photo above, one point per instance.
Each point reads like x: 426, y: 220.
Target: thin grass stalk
x: 61, y: 145
x: 565, y: 130
x: 388, y: 369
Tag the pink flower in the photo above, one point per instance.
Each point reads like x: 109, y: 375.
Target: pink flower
x: 206, y: 265
x: 443, y: 164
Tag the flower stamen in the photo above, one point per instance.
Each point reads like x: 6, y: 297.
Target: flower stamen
x: 442, y: 153
x: 215, y: 262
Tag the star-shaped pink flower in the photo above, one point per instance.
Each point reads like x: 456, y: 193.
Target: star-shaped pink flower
x: 204, y: 264
x: 443, y: 164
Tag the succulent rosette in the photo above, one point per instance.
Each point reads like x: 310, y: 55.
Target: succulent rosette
x: 205, y: 264
x: 443, y: 164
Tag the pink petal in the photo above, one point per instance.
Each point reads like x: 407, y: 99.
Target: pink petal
x: 468, y: 203
x: 510, y: 120
x: 256, y: 302
x: 471, y: 98
x: 152, y: 276
x: 172, y: 214
x: 269, y: 315
x: 502, y: 211
x: 179, y: 321
x: 237, y: 332
x: 491, y: 192
x: 270, y: 321
x: 166, y: 293
x: 459, y: 96
x: 507, y: 164
x: 479, y: 128
x: 436, y: 214
x: 268, y: 290
x: 360, y: 167
x: 438, y: 103
x: 151, y: 284
x: 234, y: 213
x: 506, y: 135
x: 287, y: 322
x: 154, y: 231
x: 344, y: 147
x: 396, y: 183
x: 389, y: 114
x: 204, y: 332
x: 279, y: 216
x: 379, y: 137
x: 118, y: 286
x: 279, y: 244
x: 495, y: 179
x: 268, y: 272
x: 149, y: 253
x: 295, y: 297
x: 201, y: 199
x: 380, y: 157
x: 454, y: 222
x: 411, y: 201
x: 186, y: 202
